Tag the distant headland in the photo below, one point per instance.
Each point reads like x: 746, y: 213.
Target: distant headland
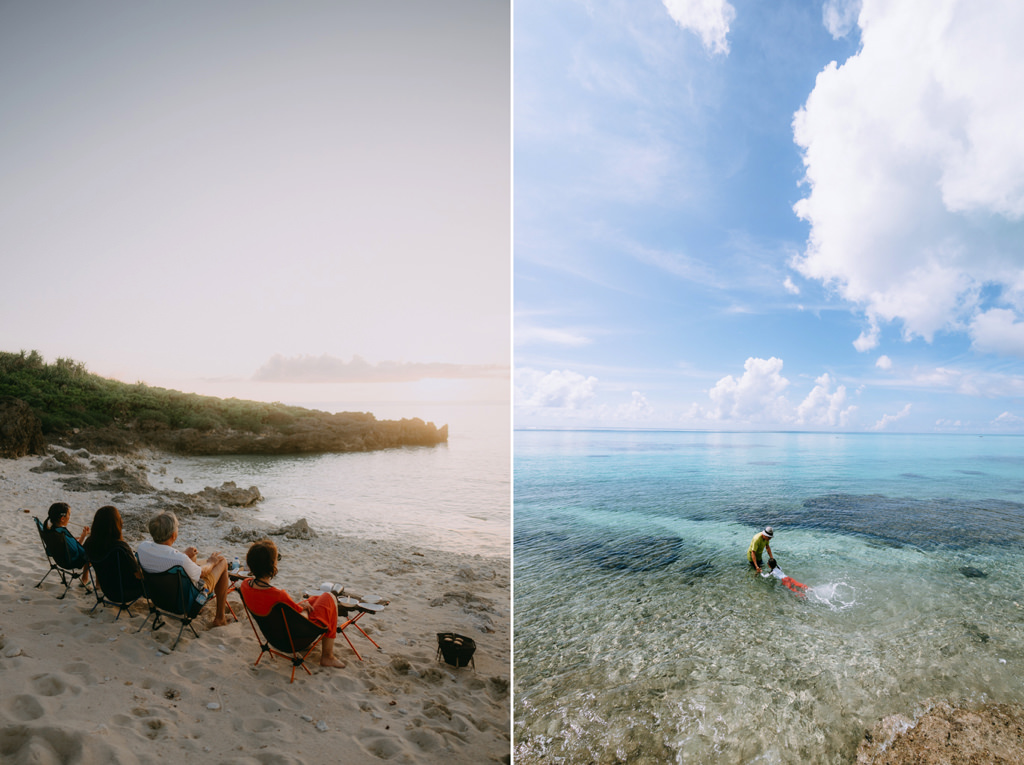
x: 63, y: 403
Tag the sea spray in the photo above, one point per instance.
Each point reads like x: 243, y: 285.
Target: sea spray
x: 836, y: 595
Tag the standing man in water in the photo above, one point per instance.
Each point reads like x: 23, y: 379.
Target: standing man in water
x: 758, y: 544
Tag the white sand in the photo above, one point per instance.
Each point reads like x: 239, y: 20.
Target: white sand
x: 82, y: 689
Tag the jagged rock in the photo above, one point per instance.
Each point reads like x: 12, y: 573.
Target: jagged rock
x: 21, y: 432
x: 60, y: 462
x: 298, y: 530
x: 124, y: 480
x: 231, y: 495
x: 944, y: 734
x: 238, y: 535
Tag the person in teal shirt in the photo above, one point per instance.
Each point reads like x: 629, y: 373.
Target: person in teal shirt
x: 758, y: 545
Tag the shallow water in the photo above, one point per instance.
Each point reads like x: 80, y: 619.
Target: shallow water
x: 642, y: 636
x: 454, y: 496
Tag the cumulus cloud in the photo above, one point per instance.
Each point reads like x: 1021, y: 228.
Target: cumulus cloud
x: 840, y: 16
x: 790, y: 287
x: 756, y: 396
x: 708, y: 19
x: 823, y: 406
x: 638, y: 408
x: 558, y: 388
x: 329, y: 369
x: 998, y: 331
x: 884, y: 362
x: 915, y: 169
x: 889, y: 419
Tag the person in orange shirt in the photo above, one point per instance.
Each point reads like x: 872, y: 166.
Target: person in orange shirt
x: 260, y: 596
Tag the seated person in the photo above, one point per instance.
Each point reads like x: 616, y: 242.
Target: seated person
x: 159, y: 555
x: 260, y: 596
x: 106, y: 534
x: 57, y: 518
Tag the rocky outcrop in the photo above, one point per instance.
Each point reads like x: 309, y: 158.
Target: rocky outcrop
x: 21, y: 432
x: 317, y: 433
x: 992, y: 733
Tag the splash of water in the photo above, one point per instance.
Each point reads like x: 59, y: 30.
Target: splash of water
x: 836, y: 595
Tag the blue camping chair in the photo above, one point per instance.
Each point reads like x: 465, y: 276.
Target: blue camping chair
x: 65, y: 555
x: 115, y: 581
x: 172, y: 594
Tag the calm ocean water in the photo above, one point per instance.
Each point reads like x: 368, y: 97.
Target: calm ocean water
x: 642, y: 636
x: 449, y: 497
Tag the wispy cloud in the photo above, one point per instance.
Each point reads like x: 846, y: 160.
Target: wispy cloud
x: 329, y: 369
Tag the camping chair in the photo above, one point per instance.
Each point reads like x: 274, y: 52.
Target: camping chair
x: 65, y: 555
x: 286, y: 633
x: 114, y: 574
x: 171, y: 593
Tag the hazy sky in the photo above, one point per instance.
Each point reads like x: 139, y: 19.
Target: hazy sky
x: 794, y: 215
x: 234, y: 196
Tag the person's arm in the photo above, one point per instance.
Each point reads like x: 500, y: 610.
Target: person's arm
x: 769, y: 548
x: 753, y: 559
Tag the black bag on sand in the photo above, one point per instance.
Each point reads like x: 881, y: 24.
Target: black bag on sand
x: 456, y: 650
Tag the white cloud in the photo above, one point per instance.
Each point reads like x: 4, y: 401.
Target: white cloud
x: 526, y: 334
x: 915, y: 166
x: 709, y: 19
x: 638, y: 408
x: 884, y: 362
x: 791, y: 288
x: 557, y: 389
x: 840, y: 16
x: 888, y: 419
x: 757, y: 396
x: 1007, y: 419
x: 823, y: 406
x: 968, y: 382
x: 998, y: 331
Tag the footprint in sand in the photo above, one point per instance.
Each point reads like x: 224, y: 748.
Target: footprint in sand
x: 52, y: 685
x: 53, y: 746
x: 25, y: 708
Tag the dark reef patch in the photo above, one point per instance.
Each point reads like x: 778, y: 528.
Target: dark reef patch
x: 895, y: 521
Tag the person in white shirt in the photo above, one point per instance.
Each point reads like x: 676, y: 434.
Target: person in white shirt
x: 159, y: 555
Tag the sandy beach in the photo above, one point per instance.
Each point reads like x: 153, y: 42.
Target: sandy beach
x: 80, y: 687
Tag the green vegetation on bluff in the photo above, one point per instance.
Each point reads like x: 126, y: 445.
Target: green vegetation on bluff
x: 64, y: 395
x: 81, y: 408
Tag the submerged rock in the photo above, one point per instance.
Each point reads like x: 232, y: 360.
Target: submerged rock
x: 972, y: 573
x: 944, y: 734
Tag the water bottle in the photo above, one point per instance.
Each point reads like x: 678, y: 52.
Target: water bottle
x: 235, y: 564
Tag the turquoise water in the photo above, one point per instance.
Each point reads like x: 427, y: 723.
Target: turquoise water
x: 455, y: 496
x: 642, y: 636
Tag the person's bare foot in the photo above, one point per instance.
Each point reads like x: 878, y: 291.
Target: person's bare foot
x: 330, y: 661
x: 220, y: 622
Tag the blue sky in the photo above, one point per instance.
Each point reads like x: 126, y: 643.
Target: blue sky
x: 795, y: 215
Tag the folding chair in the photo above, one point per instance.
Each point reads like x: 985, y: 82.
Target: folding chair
x: 114, y: 574
x: 171, y: 593
x: 286, y: 633
x: 65, y: 555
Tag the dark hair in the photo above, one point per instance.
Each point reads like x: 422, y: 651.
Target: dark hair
x: 262, y: 559
x: 57, y: 511
x: 106, y: 528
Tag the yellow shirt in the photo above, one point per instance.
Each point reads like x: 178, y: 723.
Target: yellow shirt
x: 757, y: 545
